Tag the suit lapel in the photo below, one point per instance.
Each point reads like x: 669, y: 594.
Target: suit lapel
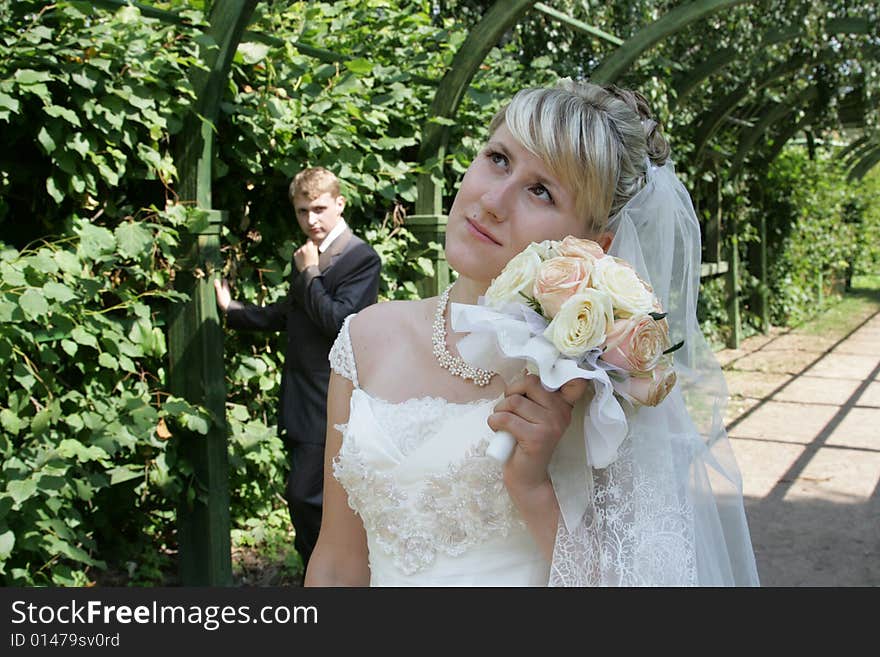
x: 326, y: 259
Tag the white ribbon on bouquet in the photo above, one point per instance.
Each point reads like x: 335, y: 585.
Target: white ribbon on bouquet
x: 510, y: 339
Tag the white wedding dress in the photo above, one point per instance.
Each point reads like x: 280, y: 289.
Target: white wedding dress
x: 434, y: 506
x: 436, y: 512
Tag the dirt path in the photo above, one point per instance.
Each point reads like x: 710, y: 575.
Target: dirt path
x: 804, y: 421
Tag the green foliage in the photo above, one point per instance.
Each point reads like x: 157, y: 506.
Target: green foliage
x: 812, y: 237
x: 88, y: 103
x: 85, y: 418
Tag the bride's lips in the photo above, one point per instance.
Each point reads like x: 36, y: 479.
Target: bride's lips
x: 481, y: 233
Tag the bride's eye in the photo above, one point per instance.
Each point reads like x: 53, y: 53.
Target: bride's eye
x: 498, y: 159
x: 542, y: 192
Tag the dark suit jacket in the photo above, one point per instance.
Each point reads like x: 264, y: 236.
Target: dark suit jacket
x: 345, y: 281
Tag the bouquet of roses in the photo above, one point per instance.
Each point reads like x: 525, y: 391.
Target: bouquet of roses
x: 569, y: 310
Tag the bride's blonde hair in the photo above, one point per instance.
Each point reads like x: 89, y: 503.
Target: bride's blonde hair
x: 595, y: 139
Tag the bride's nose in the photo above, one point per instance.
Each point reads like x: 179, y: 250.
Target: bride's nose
x: 495, y: 201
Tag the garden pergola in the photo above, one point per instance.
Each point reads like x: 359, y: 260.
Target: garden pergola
x: 195, y: 332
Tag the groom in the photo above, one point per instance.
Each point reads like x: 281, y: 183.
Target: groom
x: 335, y: 274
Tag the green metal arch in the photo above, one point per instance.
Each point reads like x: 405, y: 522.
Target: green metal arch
x: 864, y: 165
x: 857, y: 151
x: 853, y: 146
x: 788, y: 134
x: 724, y: 107
x: 674, y: 21
x: 719, y: 59
x: 749, y: 137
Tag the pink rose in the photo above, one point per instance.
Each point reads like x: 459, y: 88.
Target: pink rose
x: 558, y: 280
x: 650, y: 389
x: 579, y: 248
x: 636, y: 344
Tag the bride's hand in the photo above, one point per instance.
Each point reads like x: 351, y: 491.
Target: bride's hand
x: 536, y: 418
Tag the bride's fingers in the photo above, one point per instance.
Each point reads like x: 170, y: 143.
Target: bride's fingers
x: 530, y: 386
x: 526, y: 408
x: 514, y: 424
x: 573, y: 390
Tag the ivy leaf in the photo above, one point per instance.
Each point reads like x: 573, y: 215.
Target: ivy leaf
x: 108, y: 361
x: 26, y: 76
x: 83, y: 337
x: 67, y: 262
x: 21, y: 489
x: 8, y: 104
x: 53, y: 189
x: 7, y: 541
x: 95, y: 241
x: 33, y: 304
x: 41, y: 421
x: 6, y: 310
x: 359, y: 66
x: 251, y: 53
x: 121, y: 473
x: 70, y: 448
x: 46, y: 140
x: 69, y: 347
x: 59, y: 292
x: 133, y: 240
x: 10, y: 421
x: 64, y: 113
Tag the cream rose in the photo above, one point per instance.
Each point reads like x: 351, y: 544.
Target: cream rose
x: 545, y: 249
x: 581, y: 323
x: 518, y: 275
x: 650, y: 389
x: 559, y: 279
x: 636, y: 344
x: 579, y: 248
x: 629, y: 294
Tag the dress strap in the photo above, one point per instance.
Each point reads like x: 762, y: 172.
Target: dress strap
x: 342, y: 354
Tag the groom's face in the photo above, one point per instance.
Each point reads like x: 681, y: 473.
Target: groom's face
x: 507, y: 199
x: 318, y: 216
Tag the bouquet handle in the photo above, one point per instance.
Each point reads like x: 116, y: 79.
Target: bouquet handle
x: 501, y: 446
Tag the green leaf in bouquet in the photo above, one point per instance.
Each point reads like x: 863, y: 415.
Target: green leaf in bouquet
x: 674, y: 347
x: 533, y: 303
x: 657, y: 316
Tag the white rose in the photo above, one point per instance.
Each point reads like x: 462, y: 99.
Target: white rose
x: 582, y: 323
x: 517, y: 276
x: 629, y: 294
x: 546, y: 249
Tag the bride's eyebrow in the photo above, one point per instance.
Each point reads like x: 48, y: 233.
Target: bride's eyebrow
x: 498, y: 146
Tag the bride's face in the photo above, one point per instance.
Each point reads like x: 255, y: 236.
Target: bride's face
x: 507, y: 199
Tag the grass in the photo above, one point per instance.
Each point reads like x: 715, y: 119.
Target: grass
x: 852, y: 308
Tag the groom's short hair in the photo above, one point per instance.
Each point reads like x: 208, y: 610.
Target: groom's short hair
x: 313, y: 182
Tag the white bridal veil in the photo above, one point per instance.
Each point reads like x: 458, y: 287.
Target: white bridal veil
x: 669, y: 510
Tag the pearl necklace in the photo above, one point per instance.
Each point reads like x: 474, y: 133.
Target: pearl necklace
x: 455, y: 364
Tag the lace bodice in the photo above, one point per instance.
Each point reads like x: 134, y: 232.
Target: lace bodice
x: 434, y: 506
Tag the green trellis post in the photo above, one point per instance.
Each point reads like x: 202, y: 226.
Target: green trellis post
x: 195, y: 335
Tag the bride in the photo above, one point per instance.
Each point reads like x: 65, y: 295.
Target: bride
x: 410, y: 497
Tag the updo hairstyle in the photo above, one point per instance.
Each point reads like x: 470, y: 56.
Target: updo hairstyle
x: 596, y: 139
